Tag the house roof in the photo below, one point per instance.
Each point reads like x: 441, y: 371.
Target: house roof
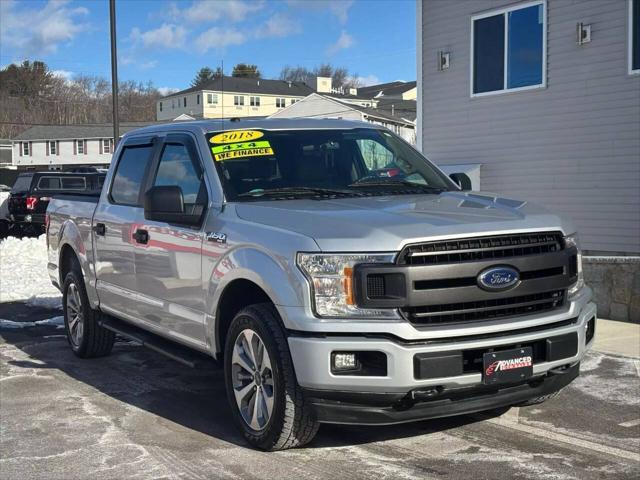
x: 250, y: 85
x: 59, y: 132
x: 387, y: 89
x: 401, y: 108
x: 374, y: 112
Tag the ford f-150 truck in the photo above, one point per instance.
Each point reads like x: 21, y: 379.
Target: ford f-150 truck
x: 337, y: 275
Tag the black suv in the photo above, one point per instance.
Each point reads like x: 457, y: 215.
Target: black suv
x: 31, y: 192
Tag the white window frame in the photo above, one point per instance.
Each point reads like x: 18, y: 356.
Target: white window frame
x: 79, y: 147
x: 52, y: 147
x: 254, y: 101
x: 106, y: 146
x: 504, y: 11
x: 281, y: 102
x: 238, y: 100
x: 25, y: 149
x: 212, y: 98
x: 630, y: 40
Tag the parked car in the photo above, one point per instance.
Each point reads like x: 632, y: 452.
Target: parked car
x: 329, y: 292
x: 32, y: 192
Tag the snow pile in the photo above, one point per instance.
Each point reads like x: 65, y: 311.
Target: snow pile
x: 58, y: 322
x: 4, y: 209
x: 23, y: 273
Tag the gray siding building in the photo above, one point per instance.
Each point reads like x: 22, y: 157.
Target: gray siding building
x: 545, y: 97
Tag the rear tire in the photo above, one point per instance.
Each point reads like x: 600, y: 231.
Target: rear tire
x: 87, y: 338
x: 267, y: 403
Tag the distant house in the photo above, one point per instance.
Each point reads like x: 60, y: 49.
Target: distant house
x: 394, y: 90
x: 233, y: 97
x: 56, y: 147
x: 324, y: 106
x: 5, y: 152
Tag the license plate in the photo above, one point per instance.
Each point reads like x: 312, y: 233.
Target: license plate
x: 509, y: 366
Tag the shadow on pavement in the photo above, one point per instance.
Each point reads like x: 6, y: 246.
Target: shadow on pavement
x: 193, y: 398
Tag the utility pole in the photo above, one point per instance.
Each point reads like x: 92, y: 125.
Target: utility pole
x: 114, y: 73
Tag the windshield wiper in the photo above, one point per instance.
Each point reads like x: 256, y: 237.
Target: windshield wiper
x: 367, y: 182
x: 292, y: 191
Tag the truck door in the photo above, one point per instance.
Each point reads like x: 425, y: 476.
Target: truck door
x: 119, y: 208
x: 168, y: 257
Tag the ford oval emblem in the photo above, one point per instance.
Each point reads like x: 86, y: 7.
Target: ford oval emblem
x: 498, y: 278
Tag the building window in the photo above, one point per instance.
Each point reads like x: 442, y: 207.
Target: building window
x: 25, y: 148
x: 52, y: 148
x: 238, y: 100
x: 80, y: 147
x: 634, y: 36
x: 254, y: 101
x: 160, y: 106
x: 293, y: 100
x: 173, y: 103
x: 184, y: 102
x: 107, y: 145
x: 508, y: 49
x: 212, y: 98
x: 198, y: 99
x: 280, y: 102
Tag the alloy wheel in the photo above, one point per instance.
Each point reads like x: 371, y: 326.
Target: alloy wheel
x: 252, y: 378
x: 75, y: 318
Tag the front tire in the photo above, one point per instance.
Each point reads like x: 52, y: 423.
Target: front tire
x: 267, y: 403
x: 87, y: 338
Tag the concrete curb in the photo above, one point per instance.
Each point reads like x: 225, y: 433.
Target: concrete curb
x: 617, y: 338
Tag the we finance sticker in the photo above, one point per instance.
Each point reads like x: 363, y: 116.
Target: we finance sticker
x: 239, y: 150
x: 234, y: 136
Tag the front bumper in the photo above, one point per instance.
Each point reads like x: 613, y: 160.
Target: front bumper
x: 311, y: 354
x: 387, y: 409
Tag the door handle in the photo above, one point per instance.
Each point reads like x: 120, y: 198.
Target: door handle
x: 100, y: 229
x: 141, y: 236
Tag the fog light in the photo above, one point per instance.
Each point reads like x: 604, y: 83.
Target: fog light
x: 343, y: 361
x: 27, y: 218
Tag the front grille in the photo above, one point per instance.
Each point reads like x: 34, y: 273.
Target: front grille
x: 485, y: 309
x: 481, y: 248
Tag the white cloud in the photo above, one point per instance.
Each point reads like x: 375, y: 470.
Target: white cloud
x: 164, y: 91
x: 219, y: 38
x: 344, y: 41
x: 367, y: 80
x: 165, y: 36
x: 209, y: 11
x: 339, y: 8
x: 65, y: 75
x: 38, y: 31
x: 279, y: 25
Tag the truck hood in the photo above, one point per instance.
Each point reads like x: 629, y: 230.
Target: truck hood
x: 378, y: 224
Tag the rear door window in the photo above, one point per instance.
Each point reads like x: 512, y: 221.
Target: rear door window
x: 129, y: 174
x: 49, y: 183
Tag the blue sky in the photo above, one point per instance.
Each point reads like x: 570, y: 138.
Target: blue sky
x: 166, y: 42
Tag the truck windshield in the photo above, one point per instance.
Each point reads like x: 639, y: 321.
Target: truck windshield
x: 22, y: 184
x: 276, y: 165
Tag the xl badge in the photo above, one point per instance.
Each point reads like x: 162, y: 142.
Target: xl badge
x: 498, y: 278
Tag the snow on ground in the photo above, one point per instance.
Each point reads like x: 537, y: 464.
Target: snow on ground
x: 23, y: 273
x: 58, y: 322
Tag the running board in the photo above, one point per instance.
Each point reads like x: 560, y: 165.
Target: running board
x: 175, y: 351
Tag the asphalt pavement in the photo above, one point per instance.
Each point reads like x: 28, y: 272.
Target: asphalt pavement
x: 136, y: 414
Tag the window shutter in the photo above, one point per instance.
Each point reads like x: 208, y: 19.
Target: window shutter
x: 75, y: 147
x: 47, y: 142
x: 100, y: 142
x: 20, y: 148
x: 30, y: 149
x: 85, y: 147
x: 57, y: 147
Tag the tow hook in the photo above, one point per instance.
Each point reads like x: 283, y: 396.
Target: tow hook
x: 561, y: 370
x: 426, y: 394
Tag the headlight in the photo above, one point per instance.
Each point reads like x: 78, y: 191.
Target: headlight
x: 331, y: 279
x: 572, y: 241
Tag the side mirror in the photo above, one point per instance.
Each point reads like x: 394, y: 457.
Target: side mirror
x: 462, y: 180
x: 166, y: 204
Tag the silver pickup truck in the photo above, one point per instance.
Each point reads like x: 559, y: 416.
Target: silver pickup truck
x: 336, y: 274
